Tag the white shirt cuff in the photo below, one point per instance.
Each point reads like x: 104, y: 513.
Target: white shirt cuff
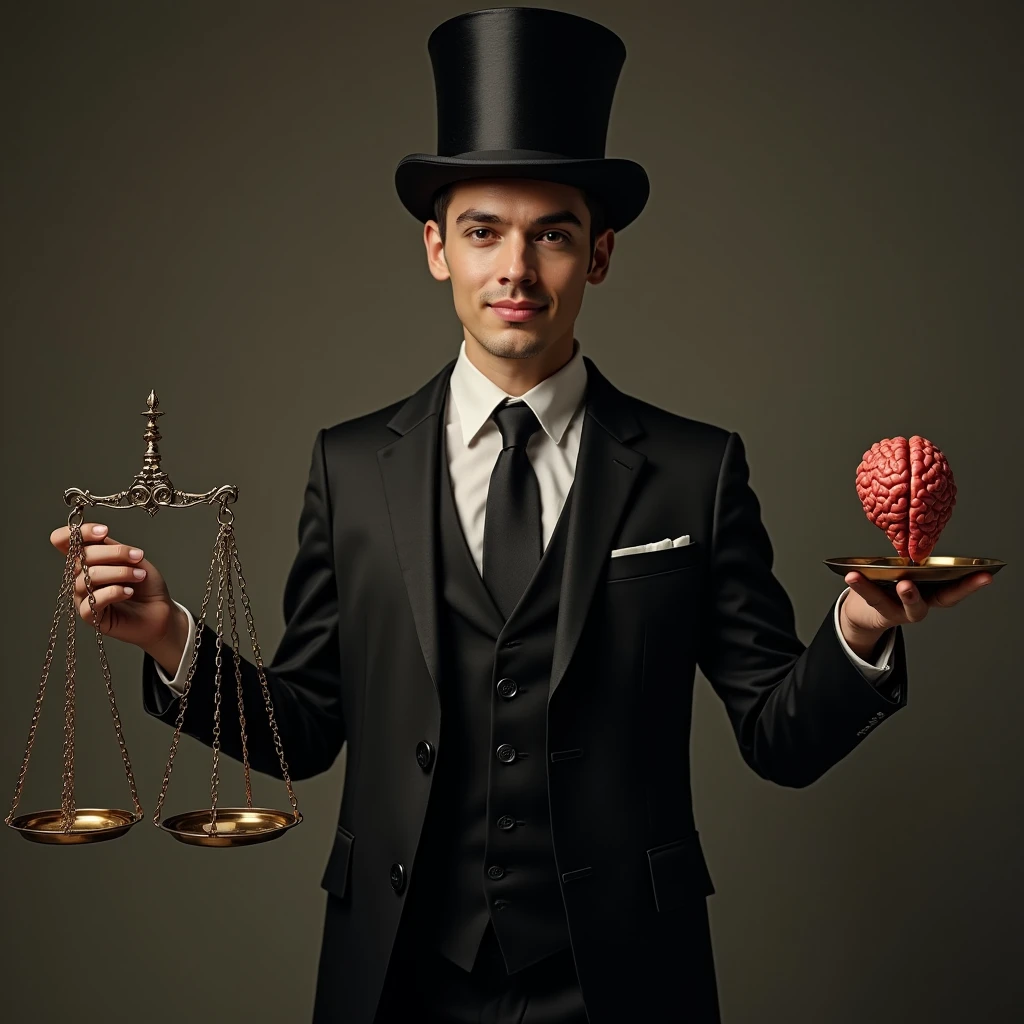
x: 876, y: 672
x: 177, y: 684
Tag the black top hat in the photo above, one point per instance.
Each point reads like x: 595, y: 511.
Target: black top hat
x: 524, y: 92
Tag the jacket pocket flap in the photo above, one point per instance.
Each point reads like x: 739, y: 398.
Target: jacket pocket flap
x: 651, y: 563
x: 335, y: 879
x: 679, y: 872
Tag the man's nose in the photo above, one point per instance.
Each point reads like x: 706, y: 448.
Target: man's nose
x: 517, y: 262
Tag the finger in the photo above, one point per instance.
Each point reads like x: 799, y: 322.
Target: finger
x: 103, y: 549
x: 110, y: 552
x: 873, y: 595
x: 946, y: 597
x: 61, y: 537
x: 104, y: 597
x: 104, y: 575
x: 914, y: 606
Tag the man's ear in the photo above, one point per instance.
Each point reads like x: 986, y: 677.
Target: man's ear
x: 437, y: 261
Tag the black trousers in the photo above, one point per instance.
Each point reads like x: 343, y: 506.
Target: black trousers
x: 425, y: 987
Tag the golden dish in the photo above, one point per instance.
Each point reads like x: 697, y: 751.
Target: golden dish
x: 236, y: 826
x: 91, y: 825
x: 934, y: 569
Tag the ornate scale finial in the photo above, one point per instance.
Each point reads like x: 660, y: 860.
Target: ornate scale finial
x: 151, y: 487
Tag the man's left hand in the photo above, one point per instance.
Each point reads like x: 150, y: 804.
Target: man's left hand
x: 869, y: 610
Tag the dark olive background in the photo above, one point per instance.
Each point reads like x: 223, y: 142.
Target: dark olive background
x: 198, y: 197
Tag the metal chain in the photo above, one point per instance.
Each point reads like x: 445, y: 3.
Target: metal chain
x: 67, y: 800
x: 106, y: 676
x: 225, y: 555
x: 263, y: 678
x: 218, y: 659
x: 67, y: 584
x: 183, y: 700
x: 236, y: 653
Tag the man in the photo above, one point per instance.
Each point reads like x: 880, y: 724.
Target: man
x: 503, y: 587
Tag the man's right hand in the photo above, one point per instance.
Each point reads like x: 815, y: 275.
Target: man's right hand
x: 144, y: 614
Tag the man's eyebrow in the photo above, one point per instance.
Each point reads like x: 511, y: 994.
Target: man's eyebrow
x: 483, y: 217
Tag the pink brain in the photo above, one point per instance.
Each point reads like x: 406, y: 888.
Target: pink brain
x: 907, y: 489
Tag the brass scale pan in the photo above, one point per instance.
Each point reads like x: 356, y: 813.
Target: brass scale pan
x: 934, y: 569
x: 151, y: 489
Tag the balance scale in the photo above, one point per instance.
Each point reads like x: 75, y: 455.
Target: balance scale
x: 151, y: 489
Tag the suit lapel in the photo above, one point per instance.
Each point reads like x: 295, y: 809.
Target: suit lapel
x: 409, y: 469
x: 607, y: 471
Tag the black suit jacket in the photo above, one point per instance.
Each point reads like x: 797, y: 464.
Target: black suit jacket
x: 358, y: 663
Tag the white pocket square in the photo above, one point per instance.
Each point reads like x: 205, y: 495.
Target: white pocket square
x: 656, y: 545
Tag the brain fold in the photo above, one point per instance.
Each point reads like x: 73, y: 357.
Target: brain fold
x: 907, y: 489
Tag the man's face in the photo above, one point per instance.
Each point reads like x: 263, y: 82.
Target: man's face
x: 517, y: 240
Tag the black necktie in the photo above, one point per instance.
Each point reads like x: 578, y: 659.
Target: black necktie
x: 512, y: 529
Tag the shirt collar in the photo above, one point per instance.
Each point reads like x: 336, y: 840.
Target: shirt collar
x: 553, y: 401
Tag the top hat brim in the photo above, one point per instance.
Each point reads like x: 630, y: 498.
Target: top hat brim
x: 621, y: 185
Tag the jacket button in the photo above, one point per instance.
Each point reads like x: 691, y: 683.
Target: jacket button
x: 397, y: 877
x: 506, y: 753
x: 507, y: 688
x: 424, y: 755
x: 506, y: 821
x: 495, y: 871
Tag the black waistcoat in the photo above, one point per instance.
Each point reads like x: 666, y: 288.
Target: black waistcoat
x: 486, y: 848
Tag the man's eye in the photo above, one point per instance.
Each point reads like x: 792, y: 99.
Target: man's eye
x: 561, y: 234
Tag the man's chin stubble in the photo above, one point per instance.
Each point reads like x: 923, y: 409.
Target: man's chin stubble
x: 524, y: 348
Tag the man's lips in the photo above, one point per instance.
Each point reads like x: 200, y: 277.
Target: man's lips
x: 514, y: 315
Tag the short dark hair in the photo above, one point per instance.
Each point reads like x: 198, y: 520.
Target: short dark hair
x: 598, y: 221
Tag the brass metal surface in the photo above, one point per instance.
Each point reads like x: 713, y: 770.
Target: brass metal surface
x: 236, y: 826
x: 91, y: 825
x: 934, y: 569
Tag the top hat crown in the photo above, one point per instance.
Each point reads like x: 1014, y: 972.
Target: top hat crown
x: 524, y: 92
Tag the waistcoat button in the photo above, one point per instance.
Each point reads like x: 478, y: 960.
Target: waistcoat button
x: 506, y: 753
x: 495, y: 871
x: 507, y: 688
x: 424, y: 755
x: 506, y: 821
x: 397, y: 877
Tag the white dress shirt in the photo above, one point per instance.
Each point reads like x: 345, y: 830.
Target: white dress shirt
x: 473, y: 443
